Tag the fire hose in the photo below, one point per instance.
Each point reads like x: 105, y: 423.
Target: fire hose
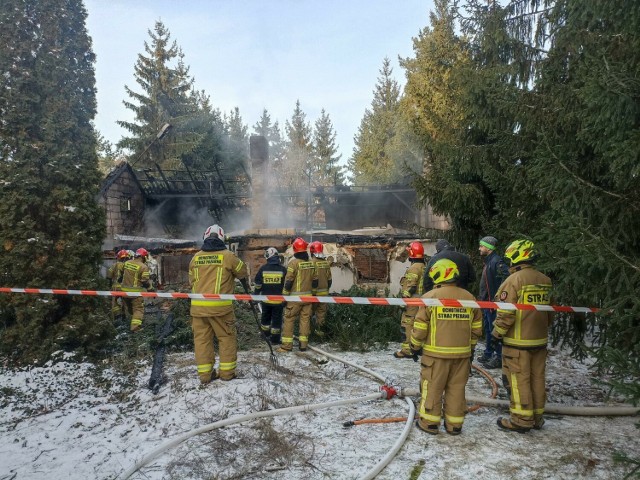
x: 385, y: 393
x: 472, y: 408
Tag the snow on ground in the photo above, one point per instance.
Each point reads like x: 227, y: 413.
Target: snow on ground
x: 83, y: 421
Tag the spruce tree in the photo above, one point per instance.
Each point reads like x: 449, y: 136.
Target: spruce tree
x: 325, y: 168
x: 237, y: 146
x: 587, y: 169
x: 166, y: 97
x: 371, y: 162
x: 295, y: 170
x: 271, y: 131
x: 51, y: 227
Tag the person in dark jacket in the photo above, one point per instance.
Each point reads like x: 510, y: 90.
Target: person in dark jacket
x: 494, y: 272
x: 445, y: 250
x: 270, y: 281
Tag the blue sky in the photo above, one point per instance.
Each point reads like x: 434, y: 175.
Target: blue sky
x: 260, y: 54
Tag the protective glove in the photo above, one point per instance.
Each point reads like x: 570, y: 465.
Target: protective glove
x: 416, y: 354
x: 245, y: 285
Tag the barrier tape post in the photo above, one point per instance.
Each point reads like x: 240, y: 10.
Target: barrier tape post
x: 401, y: 302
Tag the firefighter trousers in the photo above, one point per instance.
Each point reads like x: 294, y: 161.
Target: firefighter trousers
x: 223, y: 327
x: 271, y: 321
x: 440, y: 376
x: 406, y: 322
x: 524, y: 371
x: 134, y: 306
x: 320, y: 311
x: 291, y: 313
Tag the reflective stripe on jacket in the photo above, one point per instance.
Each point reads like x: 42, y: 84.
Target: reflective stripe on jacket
x: 300, y: 277
x: 412, y: 283
x: 114, y: 274
x: 270, y: 280
x: 446, y: 332
x: 524, y: 328
x: 214, y: 272
x: 323, y: 271
x: 135, y: 277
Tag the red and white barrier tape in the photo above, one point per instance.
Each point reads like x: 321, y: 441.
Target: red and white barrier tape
x: 416, y: 302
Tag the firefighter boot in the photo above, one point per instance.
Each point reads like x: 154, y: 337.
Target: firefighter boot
x: 402, y: 354
x: 505, y: 424
x: 430, y: 429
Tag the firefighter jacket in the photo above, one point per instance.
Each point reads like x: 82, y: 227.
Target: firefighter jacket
x: 524, y: 329
x: 301, y: 278
x: 114, y: 274
x: 494, y: 272
x: 135, y: 276
x: 467, y: 273
x: 323, y: 271
x: 270, y: 279
x: 214, y: 270
x: 412, y: 283
x: 446, y: 332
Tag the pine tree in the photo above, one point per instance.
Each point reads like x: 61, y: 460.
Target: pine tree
x: 588, y: 122
x: 295, y: 170
x: 167, y: 97
x: 51, y: 227
x: 204, y: 132
x: 371, y: 162
x: 271, y: 131
x: 467, y: 97
x: 238, y: 145
x: 325, y: 168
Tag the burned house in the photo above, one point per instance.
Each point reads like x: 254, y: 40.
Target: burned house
x: 157, y: 208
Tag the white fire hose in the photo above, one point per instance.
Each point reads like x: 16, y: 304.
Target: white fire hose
x: 404, y: 392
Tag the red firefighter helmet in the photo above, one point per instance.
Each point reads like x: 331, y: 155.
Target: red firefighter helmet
x: 299, y: 245
x: 315, y: 247
x: 142, y: 252
x: 416, y: 250
x: 122, y: 254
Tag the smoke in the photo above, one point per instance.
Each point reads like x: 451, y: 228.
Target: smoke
x: 176, y: 218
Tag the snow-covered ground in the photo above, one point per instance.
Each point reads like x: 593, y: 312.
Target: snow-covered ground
x: 82, y: 421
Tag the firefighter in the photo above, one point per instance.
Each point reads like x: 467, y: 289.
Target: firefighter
x: 524, y: 336
x: 301, y: 279
x: 135, y: 278
x: 411, y: 285
x: 270, y: 281
x: 114, y: 275
x: 446, y: 337
x: 214, y: 270
x: 323, y: 271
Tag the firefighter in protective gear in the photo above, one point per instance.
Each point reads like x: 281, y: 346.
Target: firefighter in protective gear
x: 135, y: 278
x: 114, y: 275
x: 270, y: 281
x: 524, y: 335
x: 301, y: 279
x: 323, y: 271
x: 411, y: 285
x: 446, y: 336
x: 214, y: 270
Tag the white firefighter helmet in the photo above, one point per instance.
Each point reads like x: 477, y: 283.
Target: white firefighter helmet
x: 214, y: 231
x: 270, y: 252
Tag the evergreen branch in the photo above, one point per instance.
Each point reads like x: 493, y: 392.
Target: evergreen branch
x: 587, y: 183
x: 582, y: 180
x: 612, y: 251
x: 625, y: 88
